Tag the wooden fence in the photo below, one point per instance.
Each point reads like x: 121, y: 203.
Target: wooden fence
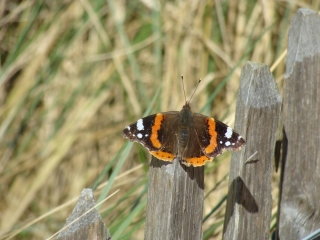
x: 175, y: 204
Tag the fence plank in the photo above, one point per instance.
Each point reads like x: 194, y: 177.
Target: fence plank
x: 89, y: 226
x: 175, y: 201
x: 300, y: 190
x: 249, y: 203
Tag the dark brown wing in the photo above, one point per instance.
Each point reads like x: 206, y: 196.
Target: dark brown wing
x: 227, y: 139
x: 168, y: 137
x: 157, y: 133
x: 140, y: 131
x: 208, y: 139
x: 193, y: 154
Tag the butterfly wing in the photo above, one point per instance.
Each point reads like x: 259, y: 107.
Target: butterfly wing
x: 227, y: 139
x: 212, y: 138
x: 193, y: 153
x: 157, y: 133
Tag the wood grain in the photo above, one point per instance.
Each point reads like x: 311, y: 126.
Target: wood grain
x: 249, y: 202
x: 300, y: 190
x: 89, y: 226
x: 175, y: 201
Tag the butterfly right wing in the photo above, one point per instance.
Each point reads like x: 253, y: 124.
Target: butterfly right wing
x: 215, y: 137
x: 212, y: 138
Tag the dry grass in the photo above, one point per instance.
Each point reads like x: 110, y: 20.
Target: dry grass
x: 74, y: 73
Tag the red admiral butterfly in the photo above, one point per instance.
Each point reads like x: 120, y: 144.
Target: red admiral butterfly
x: 193, y: 138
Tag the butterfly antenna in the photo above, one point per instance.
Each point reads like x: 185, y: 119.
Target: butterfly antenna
x: 195, y: 90
x: 184, y: 92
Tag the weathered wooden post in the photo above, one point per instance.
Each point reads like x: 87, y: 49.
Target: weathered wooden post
x: 249, y: 203
x: 175, y: 201
x: 89, y: 226
x: 300, y: 190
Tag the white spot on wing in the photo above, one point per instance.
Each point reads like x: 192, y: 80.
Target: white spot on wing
x: 228, y: 133
x: 227, y: 143
x: 139, y: 135
x: 140, y: 125
x: 221, y: 142
x: 146, y: 135
x: 128, y: 127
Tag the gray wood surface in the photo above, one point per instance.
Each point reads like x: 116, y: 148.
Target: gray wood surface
x: 300, y: 190
x: 249, y: 202
x: 175, y: 201
x: 90, y: 226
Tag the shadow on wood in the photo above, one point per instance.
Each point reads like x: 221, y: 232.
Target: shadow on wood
x: 257, y: 119
x: 175, y: 201
x: 242, y: 197
x: 194, y: 173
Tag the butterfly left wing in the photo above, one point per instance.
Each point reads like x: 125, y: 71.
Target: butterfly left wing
x: 156, y: 133
x: 213, y: 136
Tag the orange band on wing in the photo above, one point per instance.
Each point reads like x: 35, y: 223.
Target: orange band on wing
x: 197, y: 161
x: 154, y: 138
x: 163, y: 156
x: 213, y: 134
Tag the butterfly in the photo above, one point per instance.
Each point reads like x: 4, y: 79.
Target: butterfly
x: 193, y: 138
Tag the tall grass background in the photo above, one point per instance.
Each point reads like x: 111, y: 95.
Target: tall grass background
x: 75, y: 73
